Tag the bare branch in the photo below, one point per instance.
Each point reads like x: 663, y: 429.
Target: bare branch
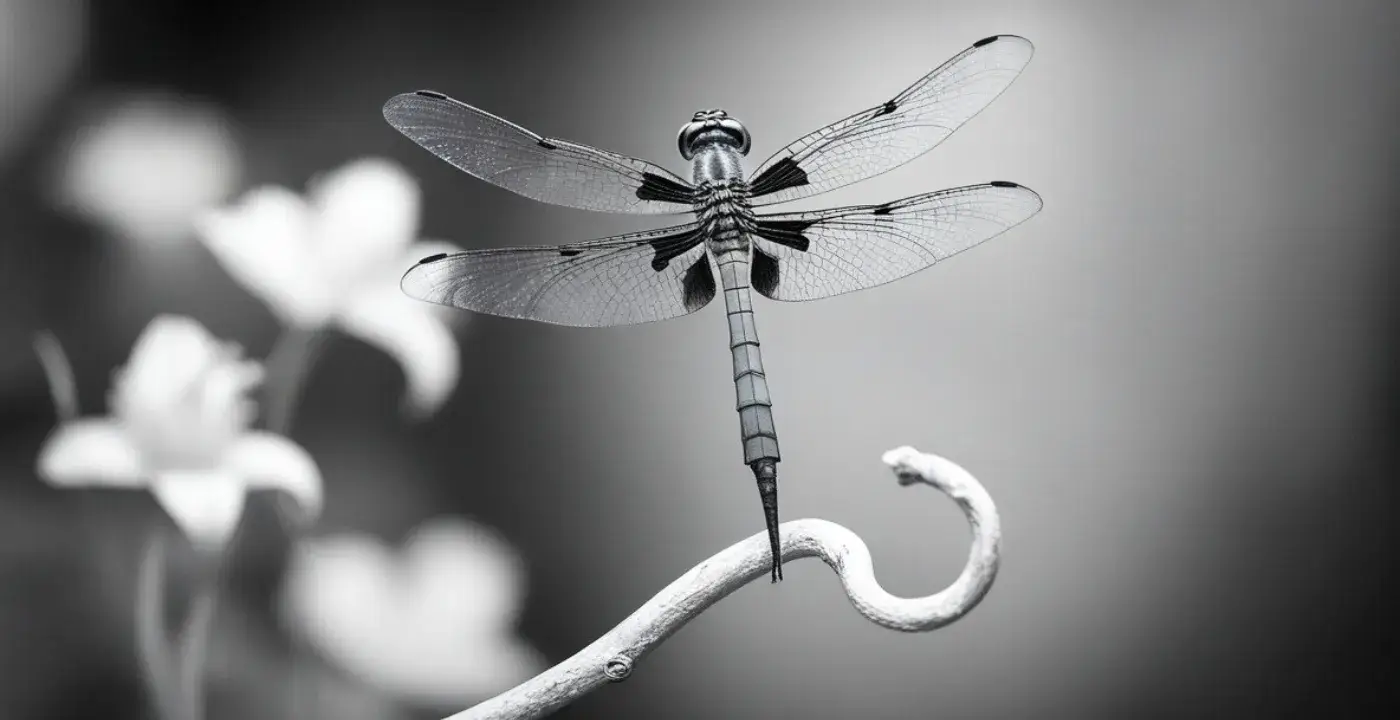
x: 611, y: 657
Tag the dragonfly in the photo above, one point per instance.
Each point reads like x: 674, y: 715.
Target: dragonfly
x: 669, y: 272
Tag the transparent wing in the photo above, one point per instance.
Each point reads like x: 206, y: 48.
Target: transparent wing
x: 892, y: 133
x: 545, y: 169
x: 622, y: 280
x: 812, y: 255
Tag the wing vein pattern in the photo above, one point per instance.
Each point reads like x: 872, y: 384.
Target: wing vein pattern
x: 883, y: 137
x: 554, y: 171
x: 821, y: 253
x: 622, y: 280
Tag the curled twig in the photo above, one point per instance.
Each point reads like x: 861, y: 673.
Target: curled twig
x: 612, y: 657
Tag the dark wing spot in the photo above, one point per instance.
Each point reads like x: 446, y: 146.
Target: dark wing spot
x: 569, y: 252
x: 885, y: 209
x: 547, y: 145
x: 889, y: 107
x: 782, y: 175
x: 1004, y: 183
x: 787, y: 233
x: 986, y: 41
x: 765, y: 273
x: 670, y: 247
x: 431, y: 94
x: 431, y: 258
x: 698, y: 285
x: 664, y: 189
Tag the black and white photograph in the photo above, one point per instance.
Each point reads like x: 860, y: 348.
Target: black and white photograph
x: 812, y: 359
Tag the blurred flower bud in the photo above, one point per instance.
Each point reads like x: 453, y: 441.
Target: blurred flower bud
x: 180, y: 426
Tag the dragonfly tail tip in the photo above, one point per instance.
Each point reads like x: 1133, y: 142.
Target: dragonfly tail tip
x: 766, y: 472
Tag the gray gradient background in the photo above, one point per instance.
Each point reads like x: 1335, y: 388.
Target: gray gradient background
x: 1174, y: 380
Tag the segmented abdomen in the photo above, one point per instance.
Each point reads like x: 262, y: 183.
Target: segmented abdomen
x: 751, y: 386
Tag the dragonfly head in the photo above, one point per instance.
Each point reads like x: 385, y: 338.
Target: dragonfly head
x: 712, y: 126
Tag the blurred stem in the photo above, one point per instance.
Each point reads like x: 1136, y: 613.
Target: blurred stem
x: 176, y: 683
x: 194, y: 647
x: 288, y: 363
x: 152, y: 646
x: 62, y: 388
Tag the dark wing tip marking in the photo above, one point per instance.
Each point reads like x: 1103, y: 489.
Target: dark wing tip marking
x: 1039, y: 203
x: 547, y: 145
x: 889, y: 107
x: 1008, y: 39
x: 413, y: 283
x: 885, y: 209
x: 397, y: 107
x: 569, y: 252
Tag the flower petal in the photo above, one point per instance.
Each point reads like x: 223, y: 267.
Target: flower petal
x: 91, y: 451
x: 414, y: 335
x: 264, y: 242
x: 268, y: 461
x: 433, y: 624
x: 368, y: 214
x: 182, y: 395
x: 148, y: 165
x: 170, y: 355
x: 470, y: 582
x: 206, y: 504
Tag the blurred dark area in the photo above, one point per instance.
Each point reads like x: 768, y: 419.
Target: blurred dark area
x: 1176, y: 381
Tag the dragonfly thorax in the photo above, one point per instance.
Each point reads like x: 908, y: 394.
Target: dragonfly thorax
x: 716, y: 164
x: 724, y: 213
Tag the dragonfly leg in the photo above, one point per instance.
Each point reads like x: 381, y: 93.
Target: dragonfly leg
x: 765, y: 470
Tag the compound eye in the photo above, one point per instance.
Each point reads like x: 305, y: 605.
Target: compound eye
x: 684, y: 139
x: 736, y: 128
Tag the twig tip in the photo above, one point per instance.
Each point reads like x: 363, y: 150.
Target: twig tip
x: 908, y: 464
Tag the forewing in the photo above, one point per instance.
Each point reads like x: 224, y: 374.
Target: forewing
x: 545, y: 169
x: 812, y: 255
x: 894, y: 132
x: 622, y: 280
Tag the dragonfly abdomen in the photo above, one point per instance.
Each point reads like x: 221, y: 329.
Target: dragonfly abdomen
x: 753, y: 401
x: 755, y: 406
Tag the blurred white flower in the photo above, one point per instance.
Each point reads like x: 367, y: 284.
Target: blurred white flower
x: 147, y: 165
x: 335, y: 258
x: 433, y: 624
x: 179, y: 426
